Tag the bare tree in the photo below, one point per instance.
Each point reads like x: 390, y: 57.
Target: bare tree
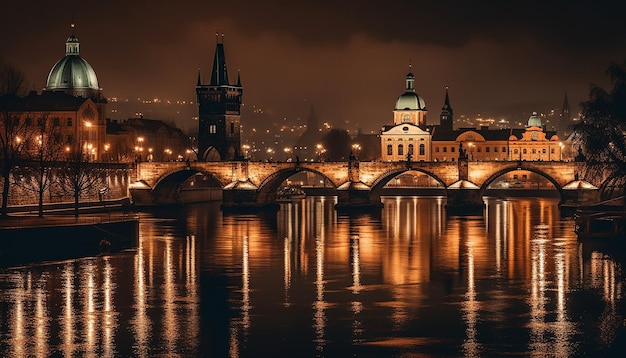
x: 79, y: 177
x: 12, y: 128
x: 43, y: 152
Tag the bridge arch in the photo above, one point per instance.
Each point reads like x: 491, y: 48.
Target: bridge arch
x: 509, y: 169
x: 169, y: 185
x: 269, y: 186
x: 379, y: 183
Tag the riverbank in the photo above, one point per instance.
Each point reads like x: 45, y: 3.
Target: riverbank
x: 101, y: 227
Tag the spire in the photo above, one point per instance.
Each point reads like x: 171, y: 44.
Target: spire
x: 238, y: 78
x: 219, y: 73
x: 72, y: 46
x: 410, y: 79
x: 446, y: 103
x: 199, y: 82
x: 446, y: 118
x: 565, y: 111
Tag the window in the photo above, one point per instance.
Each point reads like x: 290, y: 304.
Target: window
x: 16, y: 121
x: 534, y: 151
x: 515, y: 151
x: 389, y: 149
x: 445, y: 149
x: 543, y: 151
x: 56, y: 122
x: 29, y: 121
x: 410, y: 149
x: 41, y: 122
x: 452, y: 149
x: 495, y: 149
x: 504, y: 150
x: 70, y: 139
x: 400, y: 149
x: 232, y: 127
x: 478, y: 149
x: 213, y: 129
x: 552, y: 150
x: 525, y: 151
x: 487, y: 149
x: 437, y: 149
x: 422, y: 147
x: 69, y: 122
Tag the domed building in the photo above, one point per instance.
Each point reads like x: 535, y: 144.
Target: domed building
x: 72, y: 74
x: 409, y: 137
x: 535, y: 143
x: 70, y: 111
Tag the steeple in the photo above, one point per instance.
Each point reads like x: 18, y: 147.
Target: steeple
x: 219, y: 111
x: 565, y: 113
x: 72, y: 46
x: 410, y: 80
x: 446, y: 118
x: 219, y: 74
x: 565, y: 122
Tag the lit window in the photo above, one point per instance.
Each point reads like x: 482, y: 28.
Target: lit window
x: 213, y: 128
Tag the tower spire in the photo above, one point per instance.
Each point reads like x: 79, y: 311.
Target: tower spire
x: 446, y: 118
x: 199, y: 83
x: 219, y: 73
x: 410, y: 79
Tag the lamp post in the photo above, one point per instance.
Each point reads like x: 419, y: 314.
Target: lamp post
x: 356, y: 148
x: 471, y: 145
x: 561, y: 145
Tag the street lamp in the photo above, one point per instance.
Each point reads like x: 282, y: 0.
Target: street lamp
x: 356, y: 148
x: 471, y: 145
x: 561, y: 145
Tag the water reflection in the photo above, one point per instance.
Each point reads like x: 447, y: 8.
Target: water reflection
x: 307, y: 282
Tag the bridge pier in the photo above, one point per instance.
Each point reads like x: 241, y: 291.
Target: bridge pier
x: 243, y: 196
x: 464, y: 197
x: 354, y: 195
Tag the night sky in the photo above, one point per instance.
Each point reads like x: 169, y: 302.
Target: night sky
x: 347, y: 59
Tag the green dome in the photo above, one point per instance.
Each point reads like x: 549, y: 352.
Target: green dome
x: 72, y: 72
x: 534, y: 120
x: 410, y: 100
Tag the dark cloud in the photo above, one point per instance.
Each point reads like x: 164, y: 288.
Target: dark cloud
x: 348, y: 58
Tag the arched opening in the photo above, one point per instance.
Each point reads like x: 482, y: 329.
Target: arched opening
x: 298, y: 181
x: 514, y: 182
x: 211, y: 155
x: 187, y: 186
x: 407, y: 182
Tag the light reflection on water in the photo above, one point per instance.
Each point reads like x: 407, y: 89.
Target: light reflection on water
x: 307, y: 282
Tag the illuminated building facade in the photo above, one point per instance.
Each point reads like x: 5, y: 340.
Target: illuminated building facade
x: 408, y: 138
x: 219, y: 112
x: 69, y: 113
x: 535, y: 143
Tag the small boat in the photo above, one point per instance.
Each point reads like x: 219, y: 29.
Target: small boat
x: 290, y: 193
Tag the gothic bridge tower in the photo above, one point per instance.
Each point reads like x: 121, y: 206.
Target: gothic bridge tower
x: 219, y: 112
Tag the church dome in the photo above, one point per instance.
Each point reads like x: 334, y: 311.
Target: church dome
x: 534, y: 120
x: 72, y: 73
x: 410, y: 101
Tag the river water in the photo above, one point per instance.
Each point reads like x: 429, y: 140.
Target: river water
x: 304, y: 282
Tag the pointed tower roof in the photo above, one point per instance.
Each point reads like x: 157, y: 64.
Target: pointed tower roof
x: 238, y: 78
x: 446, y: 103
x: 219, y: 73
x: 565, y: 110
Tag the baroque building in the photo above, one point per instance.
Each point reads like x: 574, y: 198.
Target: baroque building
x: 70, y: 113
x: 219, y: 112
x: 408, y: 138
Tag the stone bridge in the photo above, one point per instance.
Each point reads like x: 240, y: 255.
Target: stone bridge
x: 359, y: 184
